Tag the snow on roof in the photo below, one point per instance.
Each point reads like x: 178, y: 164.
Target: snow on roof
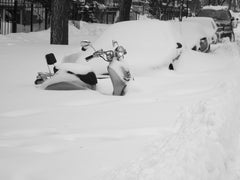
x: 215, y: 7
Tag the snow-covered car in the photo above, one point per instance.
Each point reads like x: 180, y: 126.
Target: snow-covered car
x: 209, y: 25
x: 223, y: 19
x: 149, y: 44
x: 192, y: 35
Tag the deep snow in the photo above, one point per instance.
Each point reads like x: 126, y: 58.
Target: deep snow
x: 174, y: 125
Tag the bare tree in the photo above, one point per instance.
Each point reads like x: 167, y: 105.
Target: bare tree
x: 125, y: 7
x: 59, y: 21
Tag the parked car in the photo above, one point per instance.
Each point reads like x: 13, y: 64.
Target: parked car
x: 209, y: 25
x: 149, y: 44
x: 223, y: 19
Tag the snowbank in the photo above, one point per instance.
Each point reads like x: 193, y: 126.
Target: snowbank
x: 203, y: 147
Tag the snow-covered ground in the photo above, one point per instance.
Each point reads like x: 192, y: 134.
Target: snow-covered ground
x: 172, y: 125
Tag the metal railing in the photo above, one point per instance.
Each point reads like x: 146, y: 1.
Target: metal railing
x: 29, y: 15
x: 22, y: 16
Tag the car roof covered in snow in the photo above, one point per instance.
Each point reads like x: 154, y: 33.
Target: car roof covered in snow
x: 215, y: 7
x: 149, y: 43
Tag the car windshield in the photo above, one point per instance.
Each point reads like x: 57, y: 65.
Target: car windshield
x: 216, y: 14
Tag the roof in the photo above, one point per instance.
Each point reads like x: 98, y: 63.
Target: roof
x: 215, y: 7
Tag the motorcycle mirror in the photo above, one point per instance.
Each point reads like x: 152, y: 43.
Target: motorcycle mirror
x: 50, y: 58
x: 85, y: 44
x: 84, y: 48
x: 179, y: 45
x: 114, y: 43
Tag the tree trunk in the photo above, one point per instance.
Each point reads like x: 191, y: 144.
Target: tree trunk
x: 230, y: 4
x: 125, y: 7
x: 59, y: 21
x: 158, y: 6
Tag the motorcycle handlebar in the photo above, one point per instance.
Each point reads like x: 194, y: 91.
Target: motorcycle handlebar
x: 89, y: 57
x: 106, y: 55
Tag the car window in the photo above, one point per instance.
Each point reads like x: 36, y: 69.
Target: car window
x: 223, y: 15
x: 216, y: 14
x: 206, y: 13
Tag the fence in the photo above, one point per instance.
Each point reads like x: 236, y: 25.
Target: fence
x: 93, y: 13
x: 22, y: 16
x: 29, y: 16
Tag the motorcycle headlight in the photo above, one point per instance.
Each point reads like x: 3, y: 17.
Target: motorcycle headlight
x: 120, y: 51
x: 109, y: 55
x: 119, y: 54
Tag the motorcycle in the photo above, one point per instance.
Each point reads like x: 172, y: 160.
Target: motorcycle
x: 73, y: 76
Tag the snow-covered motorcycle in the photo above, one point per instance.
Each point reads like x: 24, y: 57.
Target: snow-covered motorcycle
x: 76, y: 76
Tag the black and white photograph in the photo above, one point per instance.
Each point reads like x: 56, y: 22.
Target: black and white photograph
x: 119, y: 89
